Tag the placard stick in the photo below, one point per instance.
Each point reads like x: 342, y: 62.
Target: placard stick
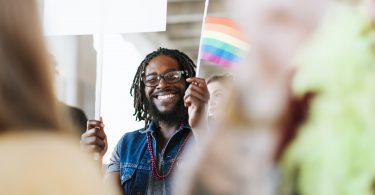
x: 99, y: 73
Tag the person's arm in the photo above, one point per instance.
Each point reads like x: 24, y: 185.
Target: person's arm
x: 95, y: 140
x: 196, y: 99
x: 112, y: 176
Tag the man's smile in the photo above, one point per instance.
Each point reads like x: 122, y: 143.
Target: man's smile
x: 165, y: 98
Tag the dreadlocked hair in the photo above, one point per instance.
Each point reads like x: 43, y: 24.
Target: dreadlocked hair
x: 137, y: 90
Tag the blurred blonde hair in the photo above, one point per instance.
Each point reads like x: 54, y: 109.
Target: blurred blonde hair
x: 220, y: 78
x: 27, y: 99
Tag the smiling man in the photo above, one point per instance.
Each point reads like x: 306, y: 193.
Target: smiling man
x: 171, y: 101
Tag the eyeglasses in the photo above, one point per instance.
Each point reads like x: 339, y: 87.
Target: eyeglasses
x: 169, y: 77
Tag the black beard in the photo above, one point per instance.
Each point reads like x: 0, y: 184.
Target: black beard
x: 176, y: 115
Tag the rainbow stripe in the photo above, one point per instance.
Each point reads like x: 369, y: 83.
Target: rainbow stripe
x: 223, y: 43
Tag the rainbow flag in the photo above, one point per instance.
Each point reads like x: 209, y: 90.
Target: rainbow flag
x: 223, y: 43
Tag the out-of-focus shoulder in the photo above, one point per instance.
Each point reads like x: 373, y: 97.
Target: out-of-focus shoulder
x: 48, y: 164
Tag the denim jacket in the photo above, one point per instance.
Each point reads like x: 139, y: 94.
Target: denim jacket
x: 135, y: 160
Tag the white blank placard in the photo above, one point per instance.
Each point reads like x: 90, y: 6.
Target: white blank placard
x: 135, y: 16
x: 80, y: 17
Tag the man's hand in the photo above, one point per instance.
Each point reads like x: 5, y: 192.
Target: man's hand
x: 196, y: 98
x: 94, y: 140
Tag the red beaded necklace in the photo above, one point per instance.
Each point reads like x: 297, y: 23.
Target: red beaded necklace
x: 155, y: 173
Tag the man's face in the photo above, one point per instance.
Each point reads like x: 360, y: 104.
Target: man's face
x: 165, y: 96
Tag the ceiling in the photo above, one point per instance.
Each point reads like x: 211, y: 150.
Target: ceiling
x: 184, y: 21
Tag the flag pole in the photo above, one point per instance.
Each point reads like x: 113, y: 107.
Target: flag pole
x: 201, y: 37
x: 99, y: 71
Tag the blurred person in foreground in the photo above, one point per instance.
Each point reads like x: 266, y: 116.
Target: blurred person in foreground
x: 39, y: 155
x: 172, y: 102
x: 332, y: 154
x: 220, y: 89
x: 243, y: 156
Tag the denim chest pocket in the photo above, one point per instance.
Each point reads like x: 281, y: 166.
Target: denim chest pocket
x: 134, y: 178
x: 127, y: 176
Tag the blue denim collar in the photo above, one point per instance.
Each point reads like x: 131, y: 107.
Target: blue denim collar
x: 152, y: 127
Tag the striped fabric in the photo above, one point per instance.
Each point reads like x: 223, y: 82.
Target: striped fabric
x: 223, y: 43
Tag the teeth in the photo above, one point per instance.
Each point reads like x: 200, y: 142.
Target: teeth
x: 163, y: 97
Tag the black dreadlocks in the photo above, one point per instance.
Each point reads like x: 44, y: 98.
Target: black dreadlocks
x: 137, y: 90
